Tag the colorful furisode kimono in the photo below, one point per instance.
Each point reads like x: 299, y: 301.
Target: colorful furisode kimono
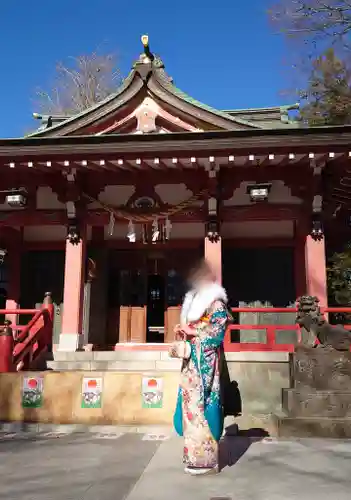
x: 199, y: 416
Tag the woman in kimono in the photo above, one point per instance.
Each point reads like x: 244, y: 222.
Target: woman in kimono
x: 199, y: 416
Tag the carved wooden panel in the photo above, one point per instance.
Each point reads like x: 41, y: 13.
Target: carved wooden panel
x: 124, y: 324
x: 172, y: 318
x: 138, y: 324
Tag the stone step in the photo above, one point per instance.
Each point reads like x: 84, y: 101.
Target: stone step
x: 316, y: 427
x: 124, y: 360
x: 113, y: 360
x: 119, y: 355
x: 317, y: 404
x: 321, y: 370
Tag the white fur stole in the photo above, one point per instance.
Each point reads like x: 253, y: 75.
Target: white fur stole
x: 197, y: 302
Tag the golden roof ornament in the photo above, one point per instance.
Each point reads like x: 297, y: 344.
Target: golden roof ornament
x: 147, y: 57
x: 145, y: 40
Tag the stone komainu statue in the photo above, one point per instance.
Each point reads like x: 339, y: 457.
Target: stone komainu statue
x: 314, y: 326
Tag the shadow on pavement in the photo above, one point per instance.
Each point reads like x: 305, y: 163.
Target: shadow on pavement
x: 233, y: 447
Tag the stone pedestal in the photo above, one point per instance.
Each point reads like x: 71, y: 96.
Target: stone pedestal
x: 319, y: 401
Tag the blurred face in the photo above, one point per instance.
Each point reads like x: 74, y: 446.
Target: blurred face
x: 200, y: 277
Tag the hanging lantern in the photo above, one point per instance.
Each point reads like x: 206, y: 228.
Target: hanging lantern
x: 131, y: 235
x: 111, y: 224
x: 317, y: 231
x: 144, y: 234
x: 155, y: 231
x: 73, y: 232
x: 212, y: 230
x: 3, y: 253
x: 167, y: 229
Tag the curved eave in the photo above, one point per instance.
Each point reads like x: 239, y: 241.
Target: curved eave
x: 74, y: 123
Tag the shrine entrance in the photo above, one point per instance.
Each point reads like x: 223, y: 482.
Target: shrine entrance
x: 146, y: 288
x: 156, y: 307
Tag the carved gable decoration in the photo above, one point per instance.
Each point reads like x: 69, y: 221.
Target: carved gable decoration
x: 145, y: 202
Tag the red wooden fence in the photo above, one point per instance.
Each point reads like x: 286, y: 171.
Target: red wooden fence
x: 271, y: 330
x: 20, y: 346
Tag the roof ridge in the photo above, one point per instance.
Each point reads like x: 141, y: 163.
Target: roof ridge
x: 169, y: 85
x: 285, y: 107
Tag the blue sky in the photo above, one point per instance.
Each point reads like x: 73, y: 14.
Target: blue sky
x: 223, y: 53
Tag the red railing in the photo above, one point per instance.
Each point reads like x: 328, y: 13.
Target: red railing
x: 22, y: 345
x: 271, y: 330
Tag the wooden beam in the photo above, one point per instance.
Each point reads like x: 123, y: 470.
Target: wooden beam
x: 333, y: 139
x: 260, y: 211
x: 92, y: 217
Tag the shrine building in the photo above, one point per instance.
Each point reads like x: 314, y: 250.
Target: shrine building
x: 109, y: 208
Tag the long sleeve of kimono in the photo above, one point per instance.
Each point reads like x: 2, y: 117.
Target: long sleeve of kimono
x: 218, y: 319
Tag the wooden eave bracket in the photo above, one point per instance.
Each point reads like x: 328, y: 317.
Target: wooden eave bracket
x: 72, y: 195
x: 317, y: 186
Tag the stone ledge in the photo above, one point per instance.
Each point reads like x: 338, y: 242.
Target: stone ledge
x: 155, y: 355
x: 258, y: 356
x: 126, y: 355
x: 107, y: 356
x: 69, y: 365
x: 23, y: 427
x: 73, y: 356
x: 134, y: 366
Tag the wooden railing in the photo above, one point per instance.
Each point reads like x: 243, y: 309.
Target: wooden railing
x: 271, y: 330
x: 22, y: 345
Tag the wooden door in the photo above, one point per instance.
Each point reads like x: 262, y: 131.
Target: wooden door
x: 126, y: 294
x: 43, y: 271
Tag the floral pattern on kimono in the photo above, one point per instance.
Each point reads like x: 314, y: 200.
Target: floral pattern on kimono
x: 199, y: 415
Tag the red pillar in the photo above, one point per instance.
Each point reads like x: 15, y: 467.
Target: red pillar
x: 71, y: 337
x: 213, y: 255
x: 316, y: 272
x: 6, y: 349
x: 14, y: 279
x: 299, y: 261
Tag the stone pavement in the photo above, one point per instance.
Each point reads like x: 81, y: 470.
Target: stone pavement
x: 268, y: 469
x: 72, y: 466
x: 120, y: 465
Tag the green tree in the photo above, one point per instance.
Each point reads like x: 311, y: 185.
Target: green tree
x: 328, y: 95
x: 339, y: 280
x: 77, y: 86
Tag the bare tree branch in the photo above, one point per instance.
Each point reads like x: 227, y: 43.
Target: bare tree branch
x: 77, y: 86
x: 315, y: 21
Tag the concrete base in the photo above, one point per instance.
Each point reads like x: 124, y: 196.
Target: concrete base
x: 321, y: 369
x: 70, y: 342
x: 321, y: 427
x: 333, y: 404
x: 319, y: 404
